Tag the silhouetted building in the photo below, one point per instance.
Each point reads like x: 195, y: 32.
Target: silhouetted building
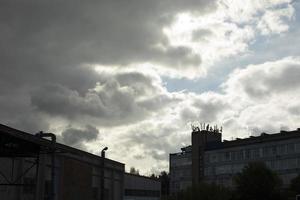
x: 138, y: 187
x: 217, y: 161
x: 33, y: 168
x: 180, y: 170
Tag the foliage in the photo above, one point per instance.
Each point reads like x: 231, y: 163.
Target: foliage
x: 205, y: 191
x: 134, y: 171
x: 165, y: 183
x: 257, y: 182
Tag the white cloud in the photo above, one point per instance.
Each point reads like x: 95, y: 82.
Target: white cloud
x: 230, y: 29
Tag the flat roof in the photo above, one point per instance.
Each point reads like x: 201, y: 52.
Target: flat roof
x: 264, y: 137
x: 142, y: 176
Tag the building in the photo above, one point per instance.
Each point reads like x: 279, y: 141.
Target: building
x: 141, y: 188
x: 34, y: 168
x: 217, y: 161
x: 180, y: 170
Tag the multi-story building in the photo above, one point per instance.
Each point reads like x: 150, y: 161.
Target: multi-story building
x: 33, y: 168
x: 180, y: 170
x: 217, y: 161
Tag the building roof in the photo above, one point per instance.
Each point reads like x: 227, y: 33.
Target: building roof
x: 14, y: 142
x: 142, y: 176
x: 184, y: 150
x: 264, y: 137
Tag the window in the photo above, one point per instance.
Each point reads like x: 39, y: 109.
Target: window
x: 240, y: 155
x: 291, y: 148
x: 233, y: 155
x: 227, y: 156
x: 274, y: 150
x: 254, y: 153
x: 266, y: 151
x: 282, y: 149
x: 247, y: 154
x: 297, y: 147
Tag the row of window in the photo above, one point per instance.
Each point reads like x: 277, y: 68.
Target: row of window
x: 253, y: 153
x: 283, y: 164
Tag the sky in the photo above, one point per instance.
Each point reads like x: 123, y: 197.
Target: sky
x: 134, y: 75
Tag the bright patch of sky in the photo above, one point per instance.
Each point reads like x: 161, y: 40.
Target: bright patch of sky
x: 236, y: 35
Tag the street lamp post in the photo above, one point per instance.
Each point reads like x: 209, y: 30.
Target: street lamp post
x: 102, y: 172
x: 41, y: 134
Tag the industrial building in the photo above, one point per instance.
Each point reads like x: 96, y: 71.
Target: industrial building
x: 215, y: 161
x: 141, y: 188
x: 35, y: 168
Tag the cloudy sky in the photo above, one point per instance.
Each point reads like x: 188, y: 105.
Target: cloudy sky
x: 134, y: 75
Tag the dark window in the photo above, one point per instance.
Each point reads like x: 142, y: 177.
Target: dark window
x: 247, y: 153
x: 227, y: 156
x: 291, y: 148
x: 274, y: 150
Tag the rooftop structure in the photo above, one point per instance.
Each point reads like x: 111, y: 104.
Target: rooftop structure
x: 217, y: 161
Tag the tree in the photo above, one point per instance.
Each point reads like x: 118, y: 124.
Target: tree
x: 257, y: 182
x: 134, y: 171
x: 153, y: 176
x: 295, y: 185
x: 165, y: 183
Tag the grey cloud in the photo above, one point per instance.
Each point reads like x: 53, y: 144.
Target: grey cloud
x: 271, y: 78
x: 74, y: 136
x: 139, y: 157
x: 210, y: 108
x: 287, y: 79
x: 119, y: 98
x: 45, y: 45
x: 155, y: 140
x: 29, y: 122
x: 201, y: 34
x: 39, y: 37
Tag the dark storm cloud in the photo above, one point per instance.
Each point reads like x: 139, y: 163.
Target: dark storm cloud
x: 119, y: 98
x: 38, y: 37
x: 48, y: 43
x: 74, y: 136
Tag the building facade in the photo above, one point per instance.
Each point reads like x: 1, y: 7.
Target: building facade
x: 180, y: 170
x: 217, y: 161
x: 33, y: 168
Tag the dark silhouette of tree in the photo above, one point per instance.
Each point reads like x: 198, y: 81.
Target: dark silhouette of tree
x: 153, y: 176
x: 295, y: 185
x: 257, y: 182
x: 134, y: 171
x: 165, y: 183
